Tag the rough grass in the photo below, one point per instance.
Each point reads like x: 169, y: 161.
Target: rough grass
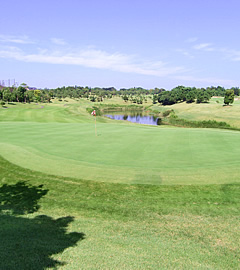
x: 200, y: 124
x: 91, y: 225
x: 206, y: 111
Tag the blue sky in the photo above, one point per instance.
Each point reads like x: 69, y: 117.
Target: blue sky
x: 125, y: 43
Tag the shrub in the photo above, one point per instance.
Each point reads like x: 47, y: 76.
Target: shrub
x: 167, y: 112
x: 200, y: 124
x: 159, y: 121
x: 92, y: 99
x: 173, y: 115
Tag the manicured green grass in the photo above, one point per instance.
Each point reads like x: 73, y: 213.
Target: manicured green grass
x: 60, y: 112
x: 159, y: 197
x: 92, y: 225
x: 124, y: 153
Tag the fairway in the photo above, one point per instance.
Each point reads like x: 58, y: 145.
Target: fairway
x: 124, y: 153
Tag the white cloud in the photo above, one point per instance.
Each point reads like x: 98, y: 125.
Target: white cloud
x: 203, y: 46
x: 233, y: 55
x: 185, y: 53
x: 93, y: 58
x: 192, y: 39
x: 225, y: 53
x: 229, y: 54
x: 58, y: 41
x: 207, y: 80
x: 16, y: 39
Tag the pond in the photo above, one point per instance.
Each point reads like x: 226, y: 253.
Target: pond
x: 135, y: 117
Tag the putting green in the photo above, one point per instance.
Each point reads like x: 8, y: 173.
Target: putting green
x: 123, y: 153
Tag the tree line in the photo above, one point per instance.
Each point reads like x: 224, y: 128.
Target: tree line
x: 24, y: 95
x: 135, y: 94
x: 193, y: 94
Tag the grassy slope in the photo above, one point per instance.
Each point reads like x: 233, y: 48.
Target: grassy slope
x: 124, y: 226
x: 120, y: 153
x: 207, y: 111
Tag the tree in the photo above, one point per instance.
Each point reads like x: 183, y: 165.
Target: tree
x: 190, y: 97
x: 7, y: 95
x: 125, y: 98
x: 229, y: 96
x: 167, y: 98
x: 93, y: 98
x: 236, y: 91
x: 154, y: 99
x: 37, y: 95
x: 20, y: 93
x: 203, y: 95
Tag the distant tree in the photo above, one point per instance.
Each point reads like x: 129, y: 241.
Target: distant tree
x: 37, y: 95
x: 203, y: 95
x: 154, y: 99
x: 20, y: 93
x: 7, y: 96
x: 229, y: 97
x: 190, y: 97
x: 29, y: 96
x: 24, y: 85
x: 125, y: 98
x: 167, y: 98
x: 93, y: 98
x: 236, y: 91
x: 220, y: 91
x: 139, y: 100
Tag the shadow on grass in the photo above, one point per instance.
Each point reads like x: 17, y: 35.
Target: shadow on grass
x: 20, y: 198
x: 29, y: 243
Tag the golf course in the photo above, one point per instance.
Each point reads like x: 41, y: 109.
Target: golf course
x: 87, y: 192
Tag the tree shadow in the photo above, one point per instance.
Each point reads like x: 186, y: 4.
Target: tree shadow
x: 20, y: 198
x: 29, y: 243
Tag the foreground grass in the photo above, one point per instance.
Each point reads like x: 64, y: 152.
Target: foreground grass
x: 91, y: 225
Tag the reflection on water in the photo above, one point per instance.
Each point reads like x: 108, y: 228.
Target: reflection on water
x: 136, y: 117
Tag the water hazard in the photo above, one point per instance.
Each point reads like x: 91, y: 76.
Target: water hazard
x: 136, y: 117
